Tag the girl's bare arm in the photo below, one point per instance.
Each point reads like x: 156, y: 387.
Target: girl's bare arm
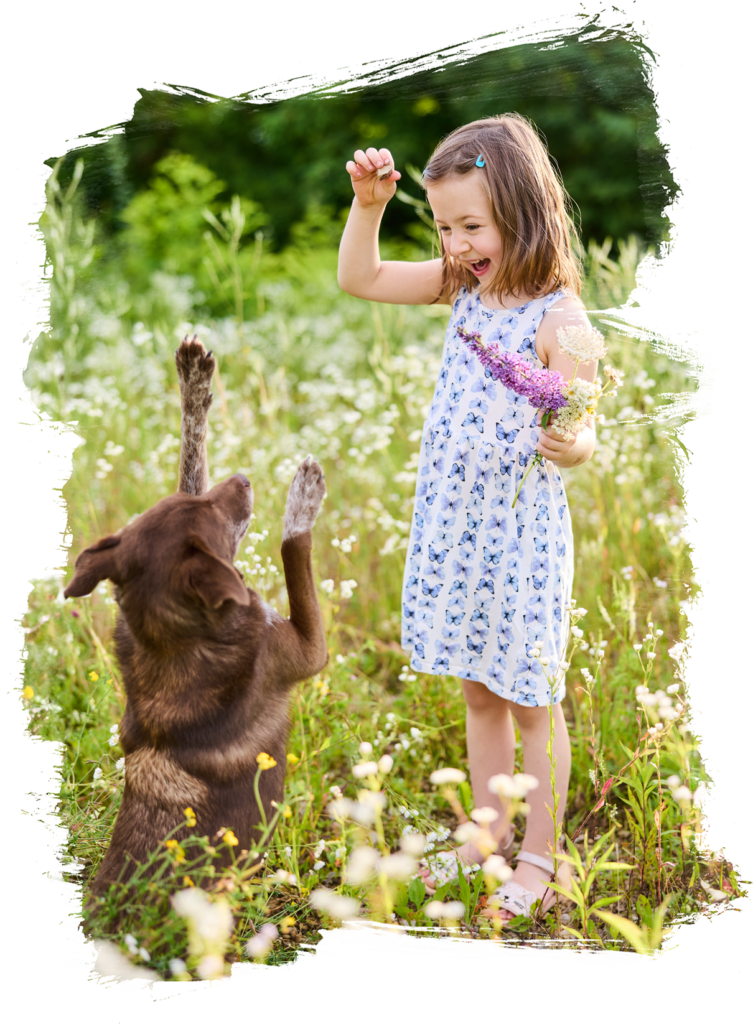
x: 361, y: 271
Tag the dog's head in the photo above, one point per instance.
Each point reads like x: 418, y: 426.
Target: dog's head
x: 173, y: 566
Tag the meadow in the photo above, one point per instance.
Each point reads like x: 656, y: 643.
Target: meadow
x: 304, y: 368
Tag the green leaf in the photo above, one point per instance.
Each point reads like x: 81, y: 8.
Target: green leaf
x: 605, y: 901
x: 630, y: 931
x: 417, y: 892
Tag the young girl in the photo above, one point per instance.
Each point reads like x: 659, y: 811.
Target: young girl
x: 484, y: 581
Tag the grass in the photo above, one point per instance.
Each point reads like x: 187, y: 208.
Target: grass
x: 306, y: 368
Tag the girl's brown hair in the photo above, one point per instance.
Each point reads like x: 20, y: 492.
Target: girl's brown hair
x: 529, y: 204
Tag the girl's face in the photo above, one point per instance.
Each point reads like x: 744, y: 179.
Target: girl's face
x: 463, y: 215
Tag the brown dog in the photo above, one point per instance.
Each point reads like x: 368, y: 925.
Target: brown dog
x: 207, y: 665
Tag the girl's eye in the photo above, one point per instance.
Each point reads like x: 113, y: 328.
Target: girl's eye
x: 471, y: 227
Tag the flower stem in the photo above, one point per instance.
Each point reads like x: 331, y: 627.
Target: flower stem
x: 538, y: 457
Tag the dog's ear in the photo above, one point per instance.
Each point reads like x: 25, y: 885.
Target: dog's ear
x: 212, y: 578
x: 99, y: 562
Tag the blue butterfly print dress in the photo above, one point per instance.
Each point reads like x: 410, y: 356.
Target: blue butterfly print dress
x: 483, y: 581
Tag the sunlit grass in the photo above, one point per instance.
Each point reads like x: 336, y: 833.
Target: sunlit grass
x: 317, y: 371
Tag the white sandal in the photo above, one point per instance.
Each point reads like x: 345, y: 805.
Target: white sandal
x: 514, y: 898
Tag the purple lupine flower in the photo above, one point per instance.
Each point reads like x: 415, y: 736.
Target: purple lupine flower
x: 542, y: 388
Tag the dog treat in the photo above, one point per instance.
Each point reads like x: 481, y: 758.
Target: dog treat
x: 384, y: 172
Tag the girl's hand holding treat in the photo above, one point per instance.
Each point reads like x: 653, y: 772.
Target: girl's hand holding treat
x: 373, y: 175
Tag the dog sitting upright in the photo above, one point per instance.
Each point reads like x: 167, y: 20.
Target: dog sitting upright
x: 207, y: 665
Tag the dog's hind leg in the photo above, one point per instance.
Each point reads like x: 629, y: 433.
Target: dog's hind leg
x: 195, y: 368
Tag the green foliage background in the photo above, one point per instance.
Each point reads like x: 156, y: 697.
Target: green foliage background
x: 592, y: 100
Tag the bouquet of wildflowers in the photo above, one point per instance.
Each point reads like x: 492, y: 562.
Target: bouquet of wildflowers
x: 571, y: 402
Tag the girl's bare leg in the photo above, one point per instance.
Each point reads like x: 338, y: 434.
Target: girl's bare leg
x: 539, y: 833
x: 490, y: 736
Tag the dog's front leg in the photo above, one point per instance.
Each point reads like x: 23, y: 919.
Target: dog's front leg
x: 301, y: 650
x: 195, y: 368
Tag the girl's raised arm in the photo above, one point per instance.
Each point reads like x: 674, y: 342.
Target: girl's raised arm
x: 361, y: 271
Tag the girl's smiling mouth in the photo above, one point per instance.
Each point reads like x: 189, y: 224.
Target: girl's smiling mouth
x: 479, y: 267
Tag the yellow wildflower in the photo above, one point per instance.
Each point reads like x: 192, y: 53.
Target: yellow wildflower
x: 28, y: 692
x: 187, y: 881
x: 190, y: 817
x: 265, y: 761
x: 293, y: 758
x: 174, y: 846
x: 286, y: 812
x: 229, y: 838
x: 94, y: 676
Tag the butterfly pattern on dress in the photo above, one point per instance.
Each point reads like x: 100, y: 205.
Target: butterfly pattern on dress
x: 483, y: 582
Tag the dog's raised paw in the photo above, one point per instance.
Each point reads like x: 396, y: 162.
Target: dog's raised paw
x: 195, y: 367
x: 307, y: 491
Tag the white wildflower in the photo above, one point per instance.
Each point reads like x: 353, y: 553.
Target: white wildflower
x: 412, y: 843
x: 364, y: 769
x: 451, y: 911
x: 261, y: 943
x: 365, y: 747
x: 581, y: 342
x: 361, y: 865
x: 484, y: 815
x: 340, y: 907
x: 327, y: 586
x: 497, y: 867
x: 385, y: 764
x: 397, y: 865
x: 445, y: 775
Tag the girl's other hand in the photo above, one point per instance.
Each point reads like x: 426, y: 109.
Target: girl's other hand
x: 363, y: 169
x: 552, y: 444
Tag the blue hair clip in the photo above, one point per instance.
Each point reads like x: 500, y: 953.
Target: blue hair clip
x: 480, y: 162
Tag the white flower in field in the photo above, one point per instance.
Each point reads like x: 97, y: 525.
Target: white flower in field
x: 412, y: 843
x: 576, y: 631
x: 512, y: 788
x: 445, y: 775
x: 285, y: 877
x: 336, y: 792
x: 451, y: 911
x: 213, y: 921
x: 363, y: 814
x: 145, y: 954
x: 397, y: 865
x: 365, y: 747
x: 318, y: 865
x: 361, y: 864
x: 673, y: 688
x: 640, y: 689
x: 647, y: 699
x: 371, y: 799
x: 662, y: 584
x: 587, y: 675
x: 637, y: 647
x: 659, y: 632
x: 342, y: 807
x: 340, y: 907
x: 327, y: 586
x: 365, y: 768
x: 133, y: 946
x: 545, y: 661
x: 682, y: 793
x: 673, y: 781
x: 467, y: 832
x: 497, y: 867
x: 677, y: 652
x: 415, y: 733
x: 599, y: 653
x: 650, y: 655
x: 114, y: 728
x: 261, y: 943
x: 211, y: 966
x: 385, y: 764
x: 177, y: 966
x: 111, y: 969
x: 320, y: 847
x: 700, y: 794
x: 97, y: 773
x: 114, y: 740
x: 120, y: 764
x: 484, y: 815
